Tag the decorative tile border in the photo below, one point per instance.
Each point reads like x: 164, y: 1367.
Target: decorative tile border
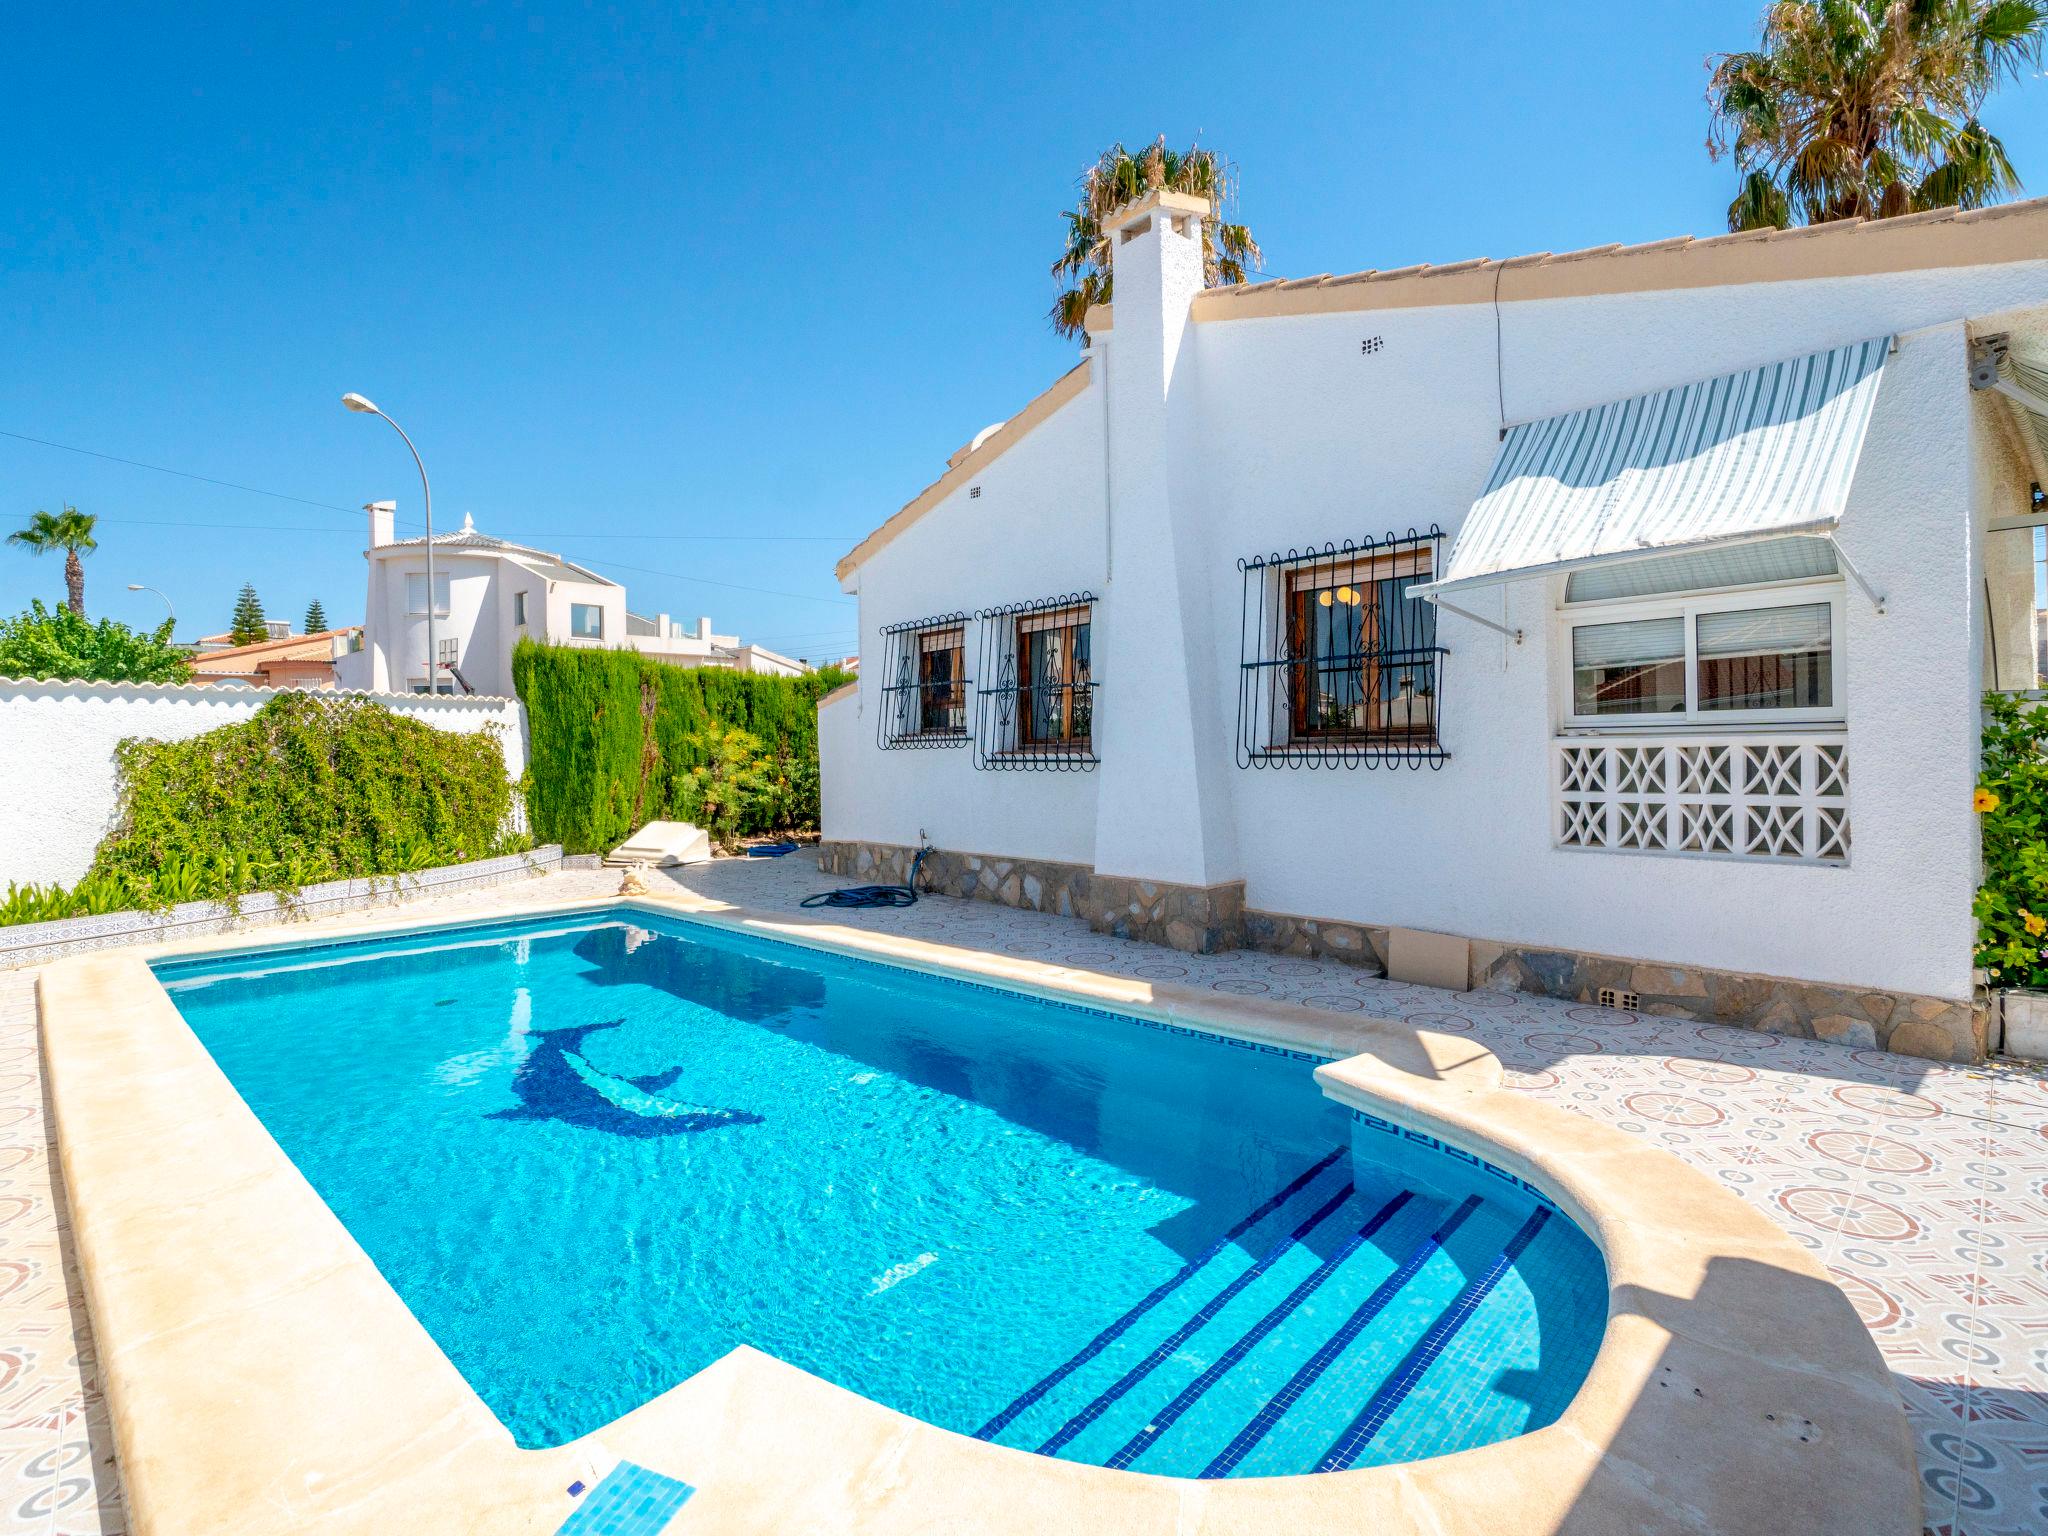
x: 1107, y: 1014
x: 1451, y: 1149
x: 36, y: 943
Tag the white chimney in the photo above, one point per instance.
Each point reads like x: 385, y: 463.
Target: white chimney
x: 704, y: 630
x: 661, y: 627
x: 1155, y: 815
x: 382, y: 516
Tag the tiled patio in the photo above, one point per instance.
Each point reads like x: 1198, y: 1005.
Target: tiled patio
x: 1924, y: 1189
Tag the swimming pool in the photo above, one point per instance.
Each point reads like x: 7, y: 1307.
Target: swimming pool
x: 594, y: 1154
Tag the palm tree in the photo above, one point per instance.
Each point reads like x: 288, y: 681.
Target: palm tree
x: 70, y: 531
x: 1869, y: 108
x: 1228, y: 250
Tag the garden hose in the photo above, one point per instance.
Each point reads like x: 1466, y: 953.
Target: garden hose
x: 872, y: 895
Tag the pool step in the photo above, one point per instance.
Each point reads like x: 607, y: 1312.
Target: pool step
x: 1304, y: 1338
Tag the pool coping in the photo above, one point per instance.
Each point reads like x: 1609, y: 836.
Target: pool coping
x: 262, y: 1376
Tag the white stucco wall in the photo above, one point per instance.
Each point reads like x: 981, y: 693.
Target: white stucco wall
x: 1037, y: 530
x: 57, y: 744
x: 1285, y: 433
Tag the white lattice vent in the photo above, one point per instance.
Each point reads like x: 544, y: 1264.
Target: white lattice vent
x: 1614, y: 997
x: 1779, y: 797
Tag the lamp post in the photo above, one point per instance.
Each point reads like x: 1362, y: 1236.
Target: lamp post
x: 356, y: 402
x: 136, y: 586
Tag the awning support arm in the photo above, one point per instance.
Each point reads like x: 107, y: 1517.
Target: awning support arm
x: 2023, y: 397
x: 1499, y: 629
x: 1877, y: 599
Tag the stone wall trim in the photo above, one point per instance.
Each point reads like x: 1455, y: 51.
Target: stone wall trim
x: 1208, y: 920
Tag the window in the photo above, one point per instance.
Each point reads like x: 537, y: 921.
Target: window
x: 1748, y: 564
x: 1054, y: 707
x: 1767, y: 652
x: 1361, y: 651
x: 586, y: 621
x: 1636, y: 667
x: 1340, y: 662
x: 1766, y: 658
x: 924, y: 697
x: 519, y: 609
x: 416, y: 593
x: 1039, y: 710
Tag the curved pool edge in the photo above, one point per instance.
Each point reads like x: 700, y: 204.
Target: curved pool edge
x: 263, y: 1377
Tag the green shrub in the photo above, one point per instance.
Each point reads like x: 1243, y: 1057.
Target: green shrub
x: 60, y: 645
x: 313, y: 787
x: 2012, y: 806
x: 616, y: 739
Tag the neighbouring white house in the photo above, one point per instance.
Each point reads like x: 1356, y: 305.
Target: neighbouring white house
x: 1611, y: 624
x: 488, y: 594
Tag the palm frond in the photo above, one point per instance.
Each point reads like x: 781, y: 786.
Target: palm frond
x: 1117, y: 177
x: 1869, y: 108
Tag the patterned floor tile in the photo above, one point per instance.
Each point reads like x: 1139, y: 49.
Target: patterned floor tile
x: 1923, y: 1189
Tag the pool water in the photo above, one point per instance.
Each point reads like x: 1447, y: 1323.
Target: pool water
x: 594, y: 1153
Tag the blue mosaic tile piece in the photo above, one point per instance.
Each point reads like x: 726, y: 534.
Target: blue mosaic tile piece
x: 628, y: 1501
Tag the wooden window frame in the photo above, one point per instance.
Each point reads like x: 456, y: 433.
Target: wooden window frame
x: 955, y: 687
x: 1068, y: 622
x: 1363, y: 575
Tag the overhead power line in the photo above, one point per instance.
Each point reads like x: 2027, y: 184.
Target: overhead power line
x: 409, y: 522
x: 182, y: 474
x: 706, y: 581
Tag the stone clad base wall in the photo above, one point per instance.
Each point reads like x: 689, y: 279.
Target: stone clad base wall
x: 1202, y: 920
x: 1936, y: 1028
x: 1210, y: 919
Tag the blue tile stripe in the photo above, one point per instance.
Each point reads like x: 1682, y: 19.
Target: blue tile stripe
x: 1159, y: 1293
x: 1395, y: 1389
x: 1262, y: 1422
x: 1449, y: 1149
x: 1189, y: 1395
x: 628, y: 1501
x: 1187, y: 1330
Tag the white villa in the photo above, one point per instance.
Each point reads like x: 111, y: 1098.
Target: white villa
x: 1610, y: 624
x: 488, y: 593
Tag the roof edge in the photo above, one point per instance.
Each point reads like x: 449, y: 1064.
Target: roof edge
x: 1942, y: 237
x: 1047, y: 401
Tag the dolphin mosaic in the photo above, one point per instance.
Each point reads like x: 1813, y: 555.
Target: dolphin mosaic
x: 556, y: 1081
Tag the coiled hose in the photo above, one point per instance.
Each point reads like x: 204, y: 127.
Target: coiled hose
x: 873, y: 895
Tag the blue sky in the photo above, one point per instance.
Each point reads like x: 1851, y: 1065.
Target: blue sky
x: 649, y: 284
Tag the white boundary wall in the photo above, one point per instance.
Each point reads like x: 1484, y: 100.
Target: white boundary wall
x: 57, y: 744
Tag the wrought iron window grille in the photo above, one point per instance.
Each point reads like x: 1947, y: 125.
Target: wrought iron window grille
x: 1035, y: 705
x: 1338, y: 666
x: 924, y: 683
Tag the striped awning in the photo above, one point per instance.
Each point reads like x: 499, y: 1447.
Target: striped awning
x: 1768, y: 451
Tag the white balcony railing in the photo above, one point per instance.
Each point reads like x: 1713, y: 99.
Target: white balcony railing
x: 1781, y: 797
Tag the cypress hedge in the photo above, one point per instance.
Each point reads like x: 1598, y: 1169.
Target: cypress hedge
x: 612, y: 737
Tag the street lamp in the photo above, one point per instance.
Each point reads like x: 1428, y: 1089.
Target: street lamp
x: 356, y: 402
x: 136, y: 586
